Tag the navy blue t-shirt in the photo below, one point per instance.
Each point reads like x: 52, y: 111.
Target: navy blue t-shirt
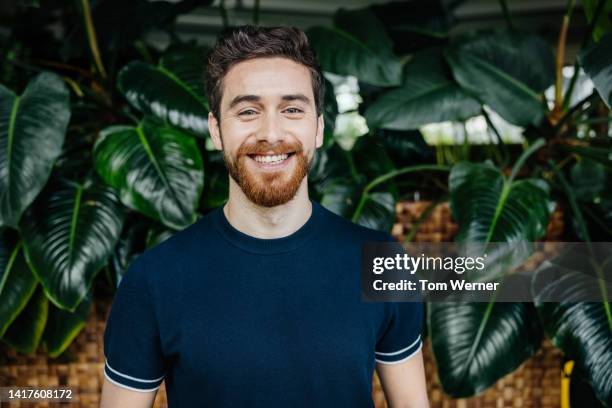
x: 229, y: 320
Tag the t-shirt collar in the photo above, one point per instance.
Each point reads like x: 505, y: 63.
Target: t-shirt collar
x: 262, y: 245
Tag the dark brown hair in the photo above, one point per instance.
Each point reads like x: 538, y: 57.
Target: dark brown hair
x: 247, y: 42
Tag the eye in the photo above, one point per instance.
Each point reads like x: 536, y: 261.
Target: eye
x: 245, y: 111
x: 295, y: 110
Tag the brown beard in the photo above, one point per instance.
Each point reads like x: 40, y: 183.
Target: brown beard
x: 271, y: 188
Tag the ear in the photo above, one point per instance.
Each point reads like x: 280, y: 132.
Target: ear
x: 320, y: 131
x: 213, y: 129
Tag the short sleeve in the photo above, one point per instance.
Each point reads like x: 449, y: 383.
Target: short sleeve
x: 402, y: 337
x: 131, y: 337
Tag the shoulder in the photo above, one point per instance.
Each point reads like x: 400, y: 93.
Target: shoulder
x: 182, y: 248
x: 340, y: 227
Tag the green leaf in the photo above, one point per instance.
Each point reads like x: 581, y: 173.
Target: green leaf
x: 414, y: 25
x: 157, y: 234
x: 341, y: 195
x: 121, y: 24
x: 488, y: 208
x: 17, y: 282
x: 371, y: 159
x: 330, y: 112
x: 216, y: 188
x: 32, y: 131
x: 427, y: 95
x: 601, y: 155
x: 186, y: 64
x: 357, y: 45
x: 588, y: 179
x: 378, y: 211
x: 172, y: 97
x: 582, y: 330
x: 69, y: 233
x: 506, y: 71
x: 25, y: 332
x: 328, y: 164
x: 63, y: 326
x: 604, y: 20
x: 475, y: 344
x: 597, y: 63
x: 405, y: 147
x: 157, y: 170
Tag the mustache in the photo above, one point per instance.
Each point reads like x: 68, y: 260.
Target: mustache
x: 264, y: 147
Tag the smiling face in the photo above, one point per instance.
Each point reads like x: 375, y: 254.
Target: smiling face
x: 269, y: 129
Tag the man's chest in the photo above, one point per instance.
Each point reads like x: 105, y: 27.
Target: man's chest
x: 246, y: 323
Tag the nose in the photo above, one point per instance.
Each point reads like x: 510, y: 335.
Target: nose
x: 271, y: 129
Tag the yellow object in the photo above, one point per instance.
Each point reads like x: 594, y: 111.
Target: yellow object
x: 565, y: 383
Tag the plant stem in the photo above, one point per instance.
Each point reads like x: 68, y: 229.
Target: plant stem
x: 561, y: 56
x: 573, y: 110
x: 256, y: 12
x: 91, y: 37
x: 524, y: 156
x: 497, y: 134
x: 506, y: 12
x: 223, y: 12
x: 585, y: 41
x: 388, y: 176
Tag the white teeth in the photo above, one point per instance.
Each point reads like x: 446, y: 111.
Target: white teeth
x: 277, y: 158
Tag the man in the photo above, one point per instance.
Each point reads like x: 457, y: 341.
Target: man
x: 258, y: 303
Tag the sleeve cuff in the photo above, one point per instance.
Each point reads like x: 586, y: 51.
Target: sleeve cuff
x: 130, y: 382
x: 399, y: 356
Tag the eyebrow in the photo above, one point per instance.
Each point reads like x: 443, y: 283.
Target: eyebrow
x: 256, y: 98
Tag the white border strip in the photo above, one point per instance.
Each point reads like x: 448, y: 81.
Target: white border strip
x: 403, y: 359
x: 130, y: 377
x: 400, y: 351
x: 128, y: 387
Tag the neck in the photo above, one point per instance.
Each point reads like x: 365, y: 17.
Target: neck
x: 267, y: 222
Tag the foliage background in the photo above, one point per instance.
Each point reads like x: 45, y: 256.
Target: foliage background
x: 104, y: 152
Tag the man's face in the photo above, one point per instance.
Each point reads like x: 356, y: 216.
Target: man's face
x: 269, y: 128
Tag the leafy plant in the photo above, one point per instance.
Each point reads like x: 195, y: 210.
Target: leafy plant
x: 104, y: 154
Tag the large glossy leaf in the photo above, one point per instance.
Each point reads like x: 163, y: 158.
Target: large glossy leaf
x: 405, y: 147
x: 597, y: 63
x: 63, y: 326
x: 357, y: 45
x: 168, y: 91
x: 32, y: 130
x: 488, y: 208
x: 588, y: 179
x: 216, y: 188
x: 378, y: 212
x: 329, y: 164
x: 414, y: 25
x: 17, y: 282
x: 69, y: 233
x: 428, y: 95
x: 475, y: 344
x: 505, y: 70
x: 330, y: 112
x: 25, y: 332
x: 157, y: 170
x: 342, y: 196
x: 582, y: 330
x: 371, y: 159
